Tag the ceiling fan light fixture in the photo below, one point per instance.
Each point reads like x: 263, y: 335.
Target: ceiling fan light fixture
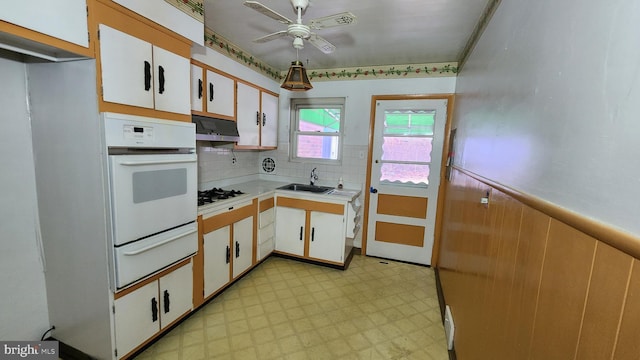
x: 297, y: 79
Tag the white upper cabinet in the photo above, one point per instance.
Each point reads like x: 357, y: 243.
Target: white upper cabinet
x: 269, y: 120
x: 137, y: 73
x: 248, y: 115
x: 126, y: 68
x: 167, y: 16
x: 257, y: 117
x: 172, y: 82
x: 220, y: 95
x: 197, y: 87
x: 62, y: 19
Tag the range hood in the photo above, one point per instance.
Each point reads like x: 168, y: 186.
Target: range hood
x: 217, y: 130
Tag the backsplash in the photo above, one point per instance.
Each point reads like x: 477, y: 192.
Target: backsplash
x: 216, y: 163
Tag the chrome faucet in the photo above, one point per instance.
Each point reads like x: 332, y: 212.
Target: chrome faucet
x: 313, y: 177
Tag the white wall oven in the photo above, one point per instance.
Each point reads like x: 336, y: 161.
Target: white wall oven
x: 152, y: 174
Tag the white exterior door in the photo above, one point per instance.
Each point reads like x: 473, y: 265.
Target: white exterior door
x: 126, y: 68
x: 405, y: 176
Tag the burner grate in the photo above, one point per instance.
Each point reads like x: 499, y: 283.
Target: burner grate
x: 212, y: 195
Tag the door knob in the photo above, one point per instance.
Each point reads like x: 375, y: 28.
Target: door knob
x: 373, y: 190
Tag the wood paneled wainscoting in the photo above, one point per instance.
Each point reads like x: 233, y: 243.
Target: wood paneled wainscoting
x: 523, y: 284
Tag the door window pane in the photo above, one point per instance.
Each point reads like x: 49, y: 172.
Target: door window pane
x: 406, y: 146
x: 404, y: 173
x: 400, y: 148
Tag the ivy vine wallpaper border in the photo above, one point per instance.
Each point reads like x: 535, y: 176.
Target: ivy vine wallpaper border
x: 227, y: 48
x: 195, y: 9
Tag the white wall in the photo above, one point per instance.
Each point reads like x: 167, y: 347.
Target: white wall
x: 549, y: 104
x: 23, y: 300
x: 357, y: 117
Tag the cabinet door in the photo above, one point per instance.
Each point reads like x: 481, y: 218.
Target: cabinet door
x: 126, y: 68
x: 290, y: 230
x: 163, y: 13
x: 62, y: 19
x: 248, y: 115
x: 176, y: 294
x: 243, y: 245
x: 217, y: 259
x: 137, y: 317
x: 269, y: 120
x: 172, y: 81
x: 220, y: 95
x: 197, y: 87
x: 326, y: 240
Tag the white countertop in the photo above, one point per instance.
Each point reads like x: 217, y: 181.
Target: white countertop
x: 258, y: 188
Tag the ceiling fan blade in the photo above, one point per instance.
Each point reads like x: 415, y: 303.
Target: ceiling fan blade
x: 270, y: 37
x: 341, y: 19
x: 268, y: 12
x: 322, y: 44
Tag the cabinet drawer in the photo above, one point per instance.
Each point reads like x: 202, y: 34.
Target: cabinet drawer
x: 267, y: 217
x: 266, y: 233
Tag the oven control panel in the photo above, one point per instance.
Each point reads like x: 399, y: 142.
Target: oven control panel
x: 139, y: 134
x: 130, y: 131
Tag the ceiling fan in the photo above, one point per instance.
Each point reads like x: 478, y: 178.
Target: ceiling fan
x: 299, y: 31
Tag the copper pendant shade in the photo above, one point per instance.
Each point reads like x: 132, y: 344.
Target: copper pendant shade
x: 297, y: 79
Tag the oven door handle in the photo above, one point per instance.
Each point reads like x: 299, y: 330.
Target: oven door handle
x: 147, y: 248
x: 156, y: 162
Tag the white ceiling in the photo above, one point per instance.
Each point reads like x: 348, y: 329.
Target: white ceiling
x: 386, y: 33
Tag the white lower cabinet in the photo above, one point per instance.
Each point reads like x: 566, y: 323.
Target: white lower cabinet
x: 290, y: 230
x: 228, y: 246
x: 217, y: 257
x: 142, y: 313
x: 327, y: 237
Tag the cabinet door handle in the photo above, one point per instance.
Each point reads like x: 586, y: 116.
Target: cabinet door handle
x: 264, y: 119
x: 166, y: 301
x: 200, y: 89
x: 228, y: 254
x: 211, y: 92
x: 161, y: 79
x: 257, y: 118
x: 300, y: 233
x: 237, y: 249
x: 147, y: 76
x: 313, y: 231
x: 154, y: 309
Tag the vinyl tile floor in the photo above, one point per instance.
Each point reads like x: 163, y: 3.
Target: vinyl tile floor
x: 285, y: 309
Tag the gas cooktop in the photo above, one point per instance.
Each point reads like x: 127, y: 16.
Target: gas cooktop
x: 214, y: 195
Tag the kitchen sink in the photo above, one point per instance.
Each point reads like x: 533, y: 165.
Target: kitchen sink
x: 308, y: 188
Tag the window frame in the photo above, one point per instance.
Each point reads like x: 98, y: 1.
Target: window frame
x: 294, y: 126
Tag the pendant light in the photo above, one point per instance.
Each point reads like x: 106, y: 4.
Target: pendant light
x: 297, y: 79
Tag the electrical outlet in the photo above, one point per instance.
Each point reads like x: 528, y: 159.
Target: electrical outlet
x: 233, y: 160
x: 361, y: 154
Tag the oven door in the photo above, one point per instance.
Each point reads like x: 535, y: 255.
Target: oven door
x: 151, y: 194
x: 136, y: 260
